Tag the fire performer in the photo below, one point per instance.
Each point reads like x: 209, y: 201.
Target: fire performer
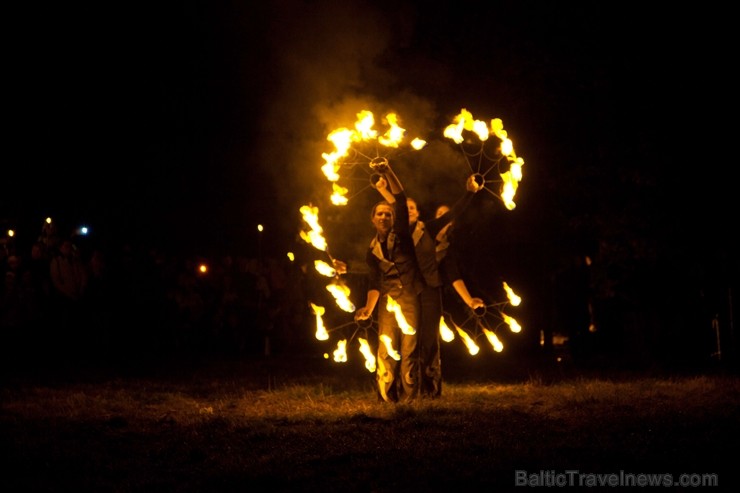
x: 424, y: 235
x: 395, y: 281
x: 449, y: 265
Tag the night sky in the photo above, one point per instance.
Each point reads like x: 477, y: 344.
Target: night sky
x: 186, y: 124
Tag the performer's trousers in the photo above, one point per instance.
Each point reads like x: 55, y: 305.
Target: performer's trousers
x: 398, y: 359
x: 429, y: 342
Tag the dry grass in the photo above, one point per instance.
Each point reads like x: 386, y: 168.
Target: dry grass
x: 263, y: 426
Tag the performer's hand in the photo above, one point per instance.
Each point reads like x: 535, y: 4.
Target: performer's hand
x: 476, y: 303
x: 363, y: 313
x: 381, y: 184
x: 472, y: 184
x: 339, y: 266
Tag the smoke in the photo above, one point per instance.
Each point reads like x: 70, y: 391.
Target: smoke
x: 330, y: 60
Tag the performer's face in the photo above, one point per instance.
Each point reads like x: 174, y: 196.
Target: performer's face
x: 383, y: 218
x: 441, y: 210
x: 413, y: 211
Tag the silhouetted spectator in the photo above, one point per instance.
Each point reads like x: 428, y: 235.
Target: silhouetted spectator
x: 12, y: 308
x: 49, y: 236
x: 69, y: 280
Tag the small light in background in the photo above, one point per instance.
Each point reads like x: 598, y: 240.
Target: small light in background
x: 291, y: 257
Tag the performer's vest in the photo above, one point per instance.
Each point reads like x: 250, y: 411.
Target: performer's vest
x: 418, y: 232
x: 426, y: 259
x: 442, y: 242
x: 388, y: 268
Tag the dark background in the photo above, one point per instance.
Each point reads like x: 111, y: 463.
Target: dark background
x: 185, y: 124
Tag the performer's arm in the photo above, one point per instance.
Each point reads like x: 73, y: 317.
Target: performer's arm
x: 365, y: 312
x: 469, y: 300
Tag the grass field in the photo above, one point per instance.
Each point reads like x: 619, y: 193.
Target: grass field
x: 291, y: 424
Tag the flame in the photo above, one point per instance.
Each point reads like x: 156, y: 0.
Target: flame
x: 513, y: 324
x: 508, y: 189
x: 330, y: 170
x: 514, y: 299
x: 368, y: 354
x: 339, y: 197
x: 341, y: 295
x: 343, y: 138
x: 454, y: 131
x: 418, y: 144
x: 324, y: 269
x: 364, y: 126
x: 469, y: 342
x: 444, y: 331
x: 495, y: 342
x: 321, y: 333
x: 315, y: 236
x: 340, y: 353
x: 394, y: 135
x: 393, y: 306
x: 511, y: 178
x: 386, y: 340
x: 481, y: 130
x: 516, y: 169
x: 315, y: 239
x: 507, y: 147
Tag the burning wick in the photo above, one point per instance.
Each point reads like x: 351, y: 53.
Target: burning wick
x: 379, y: 164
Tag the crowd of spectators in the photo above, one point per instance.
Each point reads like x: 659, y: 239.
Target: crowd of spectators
x: 68, y: 301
